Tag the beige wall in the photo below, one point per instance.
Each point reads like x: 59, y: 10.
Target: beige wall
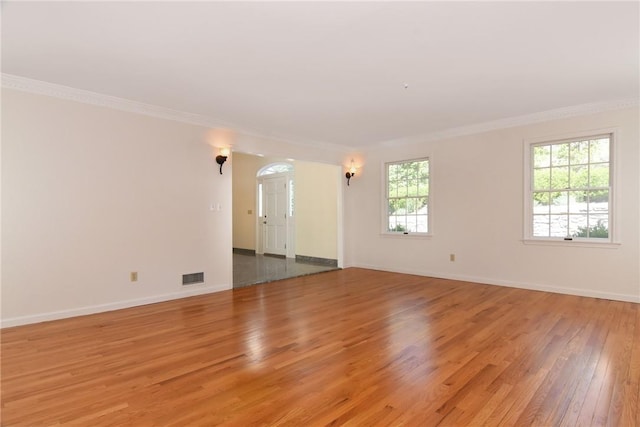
x: 316, y: 204
x: 316, y: 201
x: 477, y: 208
x: 90, y: 194
x: 245, y: 167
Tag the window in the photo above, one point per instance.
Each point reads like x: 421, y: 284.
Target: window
x: 275, y: 168
x: 570, y: 189
x: 407, y: 196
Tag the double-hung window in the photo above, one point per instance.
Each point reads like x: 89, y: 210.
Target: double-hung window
x: 407, y: 197
x: 570, y: 189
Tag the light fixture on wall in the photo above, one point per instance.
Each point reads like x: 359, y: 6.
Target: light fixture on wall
x: 222, y: 157
x: 351, y: 173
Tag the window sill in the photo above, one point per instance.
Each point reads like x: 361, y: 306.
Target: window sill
x: 574, y: 243
x: 419, y: 236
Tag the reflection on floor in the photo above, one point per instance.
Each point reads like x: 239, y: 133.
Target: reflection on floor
x: 250, y: 270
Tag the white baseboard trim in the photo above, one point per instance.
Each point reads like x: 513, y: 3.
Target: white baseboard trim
x: 510, y: 284
x: 63, y: 314
x: 101, y: 308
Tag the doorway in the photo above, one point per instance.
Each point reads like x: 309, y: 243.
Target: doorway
x: 303, y: 200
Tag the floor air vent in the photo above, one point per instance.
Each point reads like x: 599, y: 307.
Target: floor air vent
x: 193, y: 278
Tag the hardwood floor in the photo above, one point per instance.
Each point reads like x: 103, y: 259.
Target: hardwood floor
x: 352, y: 347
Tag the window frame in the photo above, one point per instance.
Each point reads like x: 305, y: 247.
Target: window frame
x: 384, y: 228
x: 528, y: 169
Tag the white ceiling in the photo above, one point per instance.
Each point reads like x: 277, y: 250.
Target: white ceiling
x: 333, y: 72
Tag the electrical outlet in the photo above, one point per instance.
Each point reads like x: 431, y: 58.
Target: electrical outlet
x: 452, y: 257
x: 133, y: 276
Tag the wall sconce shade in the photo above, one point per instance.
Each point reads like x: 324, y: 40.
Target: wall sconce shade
x: 351, y: 173
x: 222, y: 157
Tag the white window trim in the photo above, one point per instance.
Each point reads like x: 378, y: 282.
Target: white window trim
x: 384, y: 232
x: 613, y: 241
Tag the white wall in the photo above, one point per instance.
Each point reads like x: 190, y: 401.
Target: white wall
x: 90, y: 194
x: 477, y: 188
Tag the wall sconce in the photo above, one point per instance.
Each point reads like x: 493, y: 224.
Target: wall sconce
x: 351, y: 173
x: 222, y: 157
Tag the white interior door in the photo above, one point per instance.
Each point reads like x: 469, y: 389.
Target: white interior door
x: 274, y: 209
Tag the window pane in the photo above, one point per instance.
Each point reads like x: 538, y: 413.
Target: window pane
x: 560, y: 202
x: 422, y: 223
x: 599, y: 150
x: 599, y: 175
x: 414, y: 172
x: 559, y: 226
x: 579, y: 153
x: 420, y: 187
x: 411, y: 224
x: 577, y: 202
x: 391, y: 209
x: 560, y: 178
x: 578, y: 225
x: 392, y: 190
x: 411, y: 206
x: 422, y: 205
x: 392, y: 182
x: 579, y: 177
x: 542, y: 156
x: 393, y: 172
x: 541, y: 178
x: 424, y: 169
x: 291, y: 198
x: 402, y: 189
x: 560, y: 154
x: 276, y: 168
x: 541, y: 199
x: 541, y: 225
x: 392, y: 222
x: 598, y: 200
x: 413, y: 188
x: 598, y: 226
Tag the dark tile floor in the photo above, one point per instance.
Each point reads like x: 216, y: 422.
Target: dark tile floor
x: 251, y: 270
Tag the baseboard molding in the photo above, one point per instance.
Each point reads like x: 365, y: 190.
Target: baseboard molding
x: 509, y: 284
x: 101, y: 308
x: 63, y: 314
x: 240, y: 251
x: 318, y: 261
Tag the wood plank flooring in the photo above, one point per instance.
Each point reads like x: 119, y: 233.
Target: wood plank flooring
x: 353, y: 347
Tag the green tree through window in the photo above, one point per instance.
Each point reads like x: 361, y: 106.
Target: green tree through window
x: 408, y: 196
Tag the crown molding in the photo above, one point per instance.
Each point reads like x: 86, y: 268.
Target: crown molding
x: 527, y: 119
x: 39, y: 87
